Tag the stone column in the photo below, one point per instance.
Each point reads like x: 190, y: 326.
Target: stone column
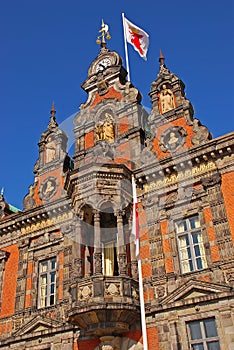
x: 97, y: 244
x: 78, y: 240
x: 121, y: 248
x: 134, y: 264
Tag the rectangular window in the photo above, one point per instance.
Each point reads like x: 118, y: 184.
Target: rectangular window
x: 203, y: 334
x: 190, y: 242
x: 47, y: 282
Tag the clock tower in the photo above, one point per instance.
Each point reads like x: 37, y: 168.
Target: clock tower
x: 109, y: 137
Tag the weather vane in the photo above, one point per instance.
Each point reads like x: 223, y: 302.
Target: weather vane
x: 104, y: 34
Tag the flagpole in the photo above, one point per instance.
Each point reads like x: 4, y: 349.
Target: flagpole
x: 141, y: 289
x: 126, y: 48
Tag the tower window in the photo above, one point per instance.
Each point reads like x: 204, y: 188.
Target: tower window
x: 47, y: 283
x: 190, y: 242
x: 203, y: 335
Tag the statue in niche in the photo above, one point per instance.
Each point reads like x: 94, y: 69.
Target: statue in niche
x: 99, y: 132
x: 105, y: 129
x: 166, y: 99
x: 108, y: 128
x: 50, y: 150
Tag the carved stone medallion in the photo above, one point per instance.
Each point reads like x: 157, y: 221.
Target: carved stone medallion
x: 172, y: 139
x: 48, y: 188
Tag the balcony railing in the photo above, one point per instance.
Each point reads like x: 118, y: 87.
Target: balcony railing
x: 104, y: 304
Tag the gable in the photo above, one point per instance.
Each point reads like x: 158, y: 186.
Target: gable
x: 38, y: 324
x: 195, y: 289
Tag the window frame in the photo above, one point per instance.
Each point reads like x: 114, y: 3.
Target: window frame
x: 48, y: 273
x: 204, y: 340
x: 188, y: 233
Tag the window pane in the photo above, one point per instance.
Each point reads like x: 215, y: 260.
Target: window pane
x: 210, y: 328
x: 194, y: 222
x: 43, y: 266
x: 52, y: 300
x: 198, y: 346
x: 52, y: 288
x: 199, y: 263
x: 197, y: 250
x: 185, y: 267
x: 184, y: 254
x: 181, y: 226
x: 183, y: 241
x: 52, y: 276
x: 213, y: 345
x: 195, y: 238
x: 195, y: 330
x: 43, y: 279
x: 191, y: 265
x: 189, y: 253
x: 53, y: 264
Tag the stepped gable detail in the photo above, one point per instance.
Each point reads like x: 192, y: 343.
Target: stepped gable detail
x: 172, y: 125
x: 51, y: 166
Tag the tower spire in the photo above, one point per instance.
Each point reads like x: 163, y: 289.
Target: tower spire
x: 53, y: 123
x: 53, y: 111
x: 161, y: 58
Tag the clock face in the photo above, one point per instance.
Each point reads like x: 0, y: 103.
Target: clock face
x: 105, y: 62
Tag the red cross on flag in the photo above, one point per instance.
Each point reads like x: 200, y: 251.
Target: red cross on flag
x: 137, y: 37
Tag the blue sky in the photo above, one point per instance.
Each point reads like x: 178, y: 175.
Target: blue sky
x: 47, y: 47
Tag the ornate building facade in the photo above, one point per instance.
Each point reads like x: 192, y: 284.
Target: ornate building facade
x: 68, y: 272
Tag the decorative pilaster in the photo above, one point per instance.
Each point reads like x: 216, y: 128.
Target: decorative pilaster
x: 77, y: 264
x: 97, y: 244
x: 121, y: 248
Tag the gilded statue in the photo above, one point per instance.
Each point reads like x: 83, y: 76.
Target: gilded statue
x: 105, y: 130
x: 166, y: 99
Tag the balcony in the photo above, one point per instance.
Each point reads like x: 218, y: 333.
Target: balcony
x: 104, y: 305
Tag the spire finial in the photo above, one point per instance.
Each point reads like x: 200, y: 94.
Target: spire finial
x: 104, y: 35
x: 161, y: 58
x: 53, y: 111
x: 2, y: 191
x: 52, y: 124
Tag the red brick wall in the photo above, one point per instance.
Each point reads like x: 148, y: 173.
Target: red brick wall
x: 228, y: 194
x: 166, y: 248
x: 152, y: 335
x: 9, y: 282
x: 89, y: 140
x: 88, y: 344
x: 112, y: 93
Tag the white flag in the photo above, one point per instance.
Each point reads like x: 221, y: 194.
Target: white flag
x: 137, y: 37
